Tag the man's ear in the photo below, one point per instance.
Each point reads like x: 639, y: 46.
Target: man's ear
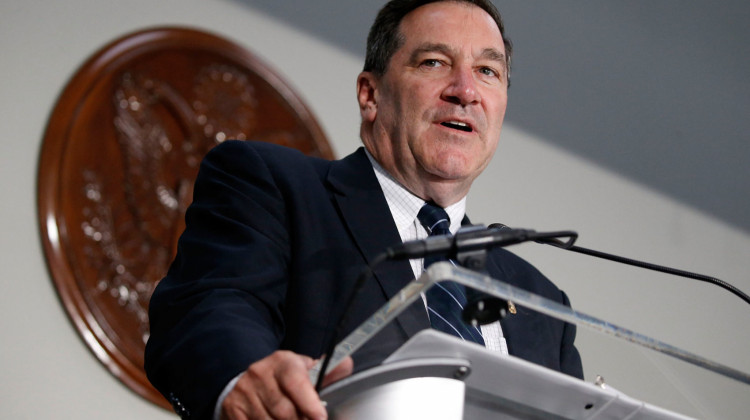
x: 366, y: 96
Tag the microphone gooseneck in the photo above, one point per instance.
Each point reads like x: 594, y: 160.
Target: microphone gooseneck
x: 474, y: 238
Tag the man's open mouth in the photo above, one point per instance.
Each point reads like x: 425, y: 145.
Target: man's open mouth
x: 457, y: 125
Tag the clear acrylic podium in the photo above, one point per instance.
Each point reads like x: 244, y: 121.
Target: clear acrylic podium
x: 438, y: 376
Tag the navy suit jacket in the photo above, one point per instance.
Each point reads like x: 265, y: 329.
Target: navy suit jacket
x: 273, y: 244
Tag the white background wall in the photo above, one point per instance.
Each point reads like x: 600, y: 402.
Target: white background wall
x: 47, y: 372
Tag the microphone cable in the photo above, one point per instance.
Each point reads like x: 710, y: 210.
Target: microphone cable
x: 629, y: 261
x: 365, y: 275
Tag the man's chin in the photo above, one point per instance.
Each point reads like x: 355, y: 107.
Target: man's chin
x: 451, y: 169
x: 448, y: 177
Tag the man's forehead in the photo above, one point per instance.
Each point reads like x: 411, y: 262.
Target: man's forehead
x: 430, y: 25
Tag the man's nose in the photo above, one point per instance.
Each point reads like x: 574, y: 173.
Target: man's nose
x: 462, y: 88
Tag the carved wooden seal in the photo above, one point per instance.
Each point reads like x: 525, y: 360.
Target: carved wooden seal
x: 117, y: 167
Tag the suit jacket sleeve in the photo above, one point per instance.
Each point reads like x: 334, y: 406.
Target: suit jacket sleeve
x: 220, y: 306
x: 570, y: 359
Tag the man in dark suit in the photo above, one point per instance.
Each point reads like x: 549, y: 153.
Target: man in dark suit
x: 275, y: 239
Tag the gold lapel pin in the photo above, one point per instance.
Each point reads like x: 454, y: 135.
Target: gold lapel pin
x: 512, y: 307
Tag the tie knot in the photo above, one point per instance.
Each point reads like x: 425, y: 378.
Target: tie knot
x: 434, y: 219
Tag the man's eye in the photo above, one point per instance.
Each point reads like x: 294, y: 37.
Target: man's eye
x: 431, y: 63
x: 489, y: 72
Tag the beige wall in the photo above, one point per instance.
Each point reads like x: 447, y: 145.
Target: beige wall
x: 47, y: 372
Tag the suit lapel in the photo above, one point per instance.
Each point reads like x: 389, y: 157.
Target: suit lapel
x: 365, y: 212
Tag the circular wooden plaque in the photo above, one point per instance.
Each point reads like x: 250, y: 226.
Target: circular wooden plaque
x: 117, y: 167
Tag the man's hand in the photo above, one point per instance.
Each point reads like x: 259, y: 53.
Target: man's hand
x: 279, y: 387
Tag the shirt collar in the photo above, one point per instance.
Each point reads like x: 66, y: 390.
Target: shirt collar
x: 404, y: 205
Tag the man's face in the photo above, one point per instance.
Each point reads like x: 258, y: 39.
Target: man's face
x: 438, y: 110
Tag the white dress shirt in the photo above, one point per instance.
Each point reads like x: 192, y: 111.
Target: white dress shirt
x: 404, y: 208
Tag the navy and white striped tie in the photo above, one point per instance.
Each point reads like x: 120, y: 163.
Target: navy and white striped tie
x: 445, y: 300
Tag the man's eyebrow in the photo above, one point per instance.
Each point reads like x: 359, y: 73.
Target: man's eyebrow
x: 491, y: 54
x: 428, y: 48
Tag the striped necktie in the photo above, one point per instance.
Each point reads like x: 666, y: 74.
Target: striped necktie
x: 445, y: 300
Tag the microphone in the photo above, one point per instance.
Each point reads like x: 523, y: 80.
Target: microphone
x: 471, y: 238
x: 468, y: 238
x: 629, y: 261
x: 467, y: 248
